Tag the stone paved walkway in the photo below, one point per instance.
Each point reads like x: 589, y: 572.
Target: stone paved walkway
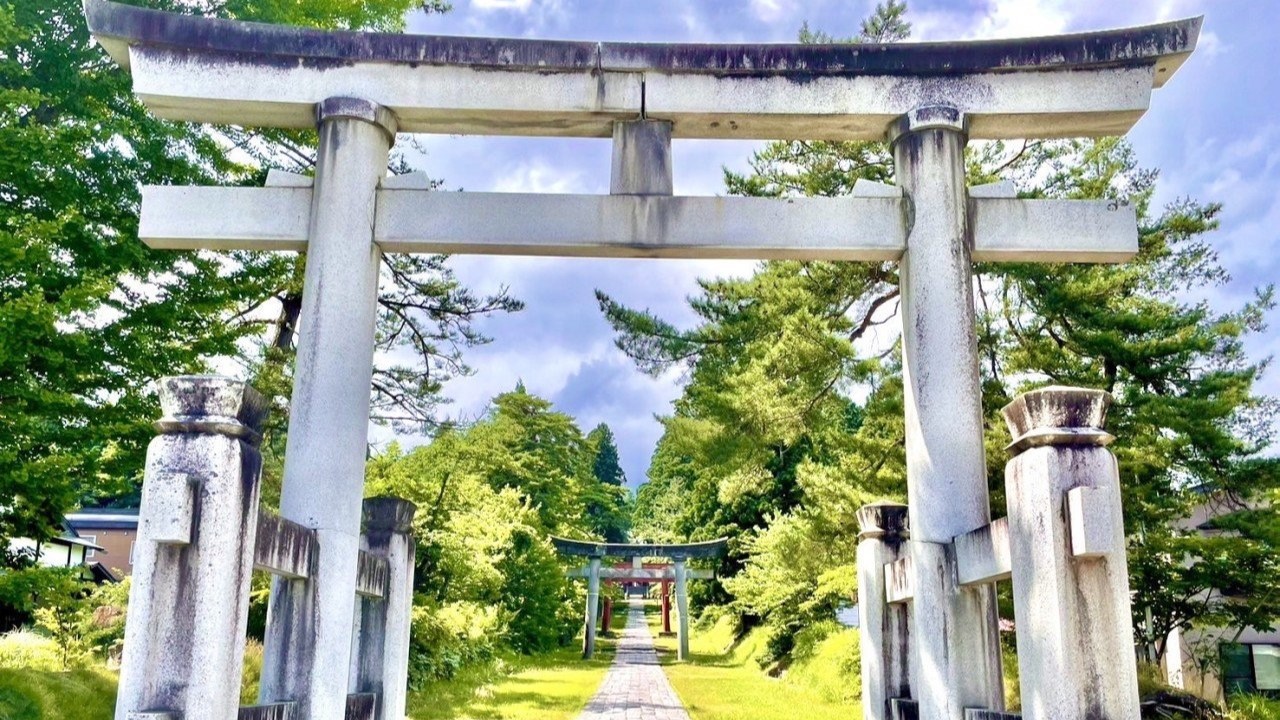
x: 635, y: 687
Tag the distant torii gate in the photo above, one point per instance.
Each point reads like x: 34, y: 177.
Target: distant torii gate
x: 679, y: 574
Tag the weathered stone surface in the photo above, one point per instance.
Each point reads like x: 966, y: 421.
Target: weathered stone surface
x: 372, y: 574
x: 884, y: 628
x: 159, y: 715
x: 682, y: 606
x: 1058, y: 416
x: 887, y: 520
x: 641, y: 158
x: 189, y: 603
x: 283, y: 547
x: 381, y: 659
x: 1075, y: 633
x: 904, y: 709
x: 593, y: 606
x: 1072, y: 85
x: 362, y: 706
x: 210, y: 404
x: 956, y: 663
x: 1088, y: 231
x: 309, y: 638
x: 276, y: 711
x: 898, y: 580
x: 982, y: 556
x: 981, y: 714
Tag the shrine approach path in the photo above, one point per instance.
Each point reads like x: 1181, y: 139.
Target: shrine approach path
x: 635, y: 688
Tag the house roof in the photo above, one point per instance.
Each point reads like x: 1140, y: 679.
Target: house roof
x: 104, y: 519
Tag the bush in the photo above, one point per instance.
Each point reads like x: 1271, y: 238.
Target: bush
x: 444, y: 639
x: 26, y: 650
x: 827, y: 658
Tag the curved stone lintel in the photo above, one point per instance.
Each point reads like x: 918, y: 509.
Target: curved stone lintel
x: 335, y: 108
x: 1164, y: 44
x: 221, y: 71
x: 589, y: 548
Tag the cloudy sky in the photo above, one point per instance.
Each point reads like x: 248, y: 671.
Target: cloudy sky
x: 1211, y: 132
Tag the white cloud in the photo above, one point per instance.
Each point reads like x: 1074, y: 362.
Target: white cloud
x: 772, y: 10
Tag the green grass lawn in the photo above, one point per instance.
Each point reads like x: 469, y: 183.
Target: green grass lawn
x: 722, y: 681
x: 29, y: 694
x: 554, y: 686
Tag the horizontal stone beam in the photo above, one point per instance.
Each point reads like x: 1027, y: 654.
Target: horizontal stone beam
x: 1089, y: 231
x: 209, y: 70
x: 897, y: 581
x: 283, y: 547
x: 372, y: 575
x: 590, y: 548
x: 846, y: 228
x: 982, y: 556
x: 821, y: 228
x: 642, y: 575
x: 274, y: 711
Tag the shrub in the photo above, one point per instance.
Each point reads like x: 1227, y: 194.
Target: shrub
x: 26, y: 650
x: 446, y: 638
x: 827, y: 658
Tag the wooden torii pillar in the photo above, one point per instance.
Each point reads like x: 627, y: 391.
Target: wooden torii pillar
x: 678, y: 574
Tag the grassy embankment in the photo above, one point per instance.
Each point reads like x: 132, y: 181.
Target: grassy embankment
x: 722, y: 680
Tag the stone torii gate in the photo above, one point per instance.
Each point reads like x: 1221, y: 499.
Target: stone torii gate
x: 680, y: 574
x: 927, y: 99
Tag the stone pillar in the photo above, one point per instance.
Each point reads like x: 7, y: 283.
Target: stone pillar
x: 1067, y: 545
x: 682, y: 606
x: 382, y: 661
x: 955, y: 630
x: 593, y: 605
x: 883, y: 629
x: 309, y: 625
x: 189, y: 604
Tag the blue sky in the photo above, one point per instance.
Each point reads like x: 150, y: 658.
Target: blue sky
x: 1212, y: 131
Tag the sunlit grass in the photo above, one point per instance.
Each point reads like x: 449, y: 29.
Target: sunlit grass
x: 554, y: 686
x: 722, y: 681
x: 81, y: 694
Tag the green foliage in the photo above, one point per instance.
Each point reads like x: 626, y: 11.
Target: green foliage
x: 827, y: 659
x: 28, y: 650
x: 609, y: 505
x: 25, y: 591
x: 1252, y: 707
x: 488, y: 497
x: 89, y: 316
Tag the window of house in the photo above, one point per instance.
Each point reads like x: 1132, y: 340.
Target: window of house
x: 1251, y: 668
x: 90, y: 552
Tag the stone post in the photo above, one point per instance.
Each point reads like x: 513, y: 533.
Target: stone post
x: 883, y: 629
x: 606, y: 617
x: 382, y: 664
x: 593, y: 605
x: 954, y: 629
x: 309, y: 626
x: 682, y: 606
x: 641, y: 158
x: 189, y: 604
x: 1067, y: 546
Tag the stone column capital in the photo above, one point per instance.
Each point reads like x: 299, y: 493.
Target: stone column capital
x: 1058, y: 415
x: 388, y: 514
x: 335, y: 108
x: 883, y: 520
x: 929, y: 117
x: 210, y: 404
